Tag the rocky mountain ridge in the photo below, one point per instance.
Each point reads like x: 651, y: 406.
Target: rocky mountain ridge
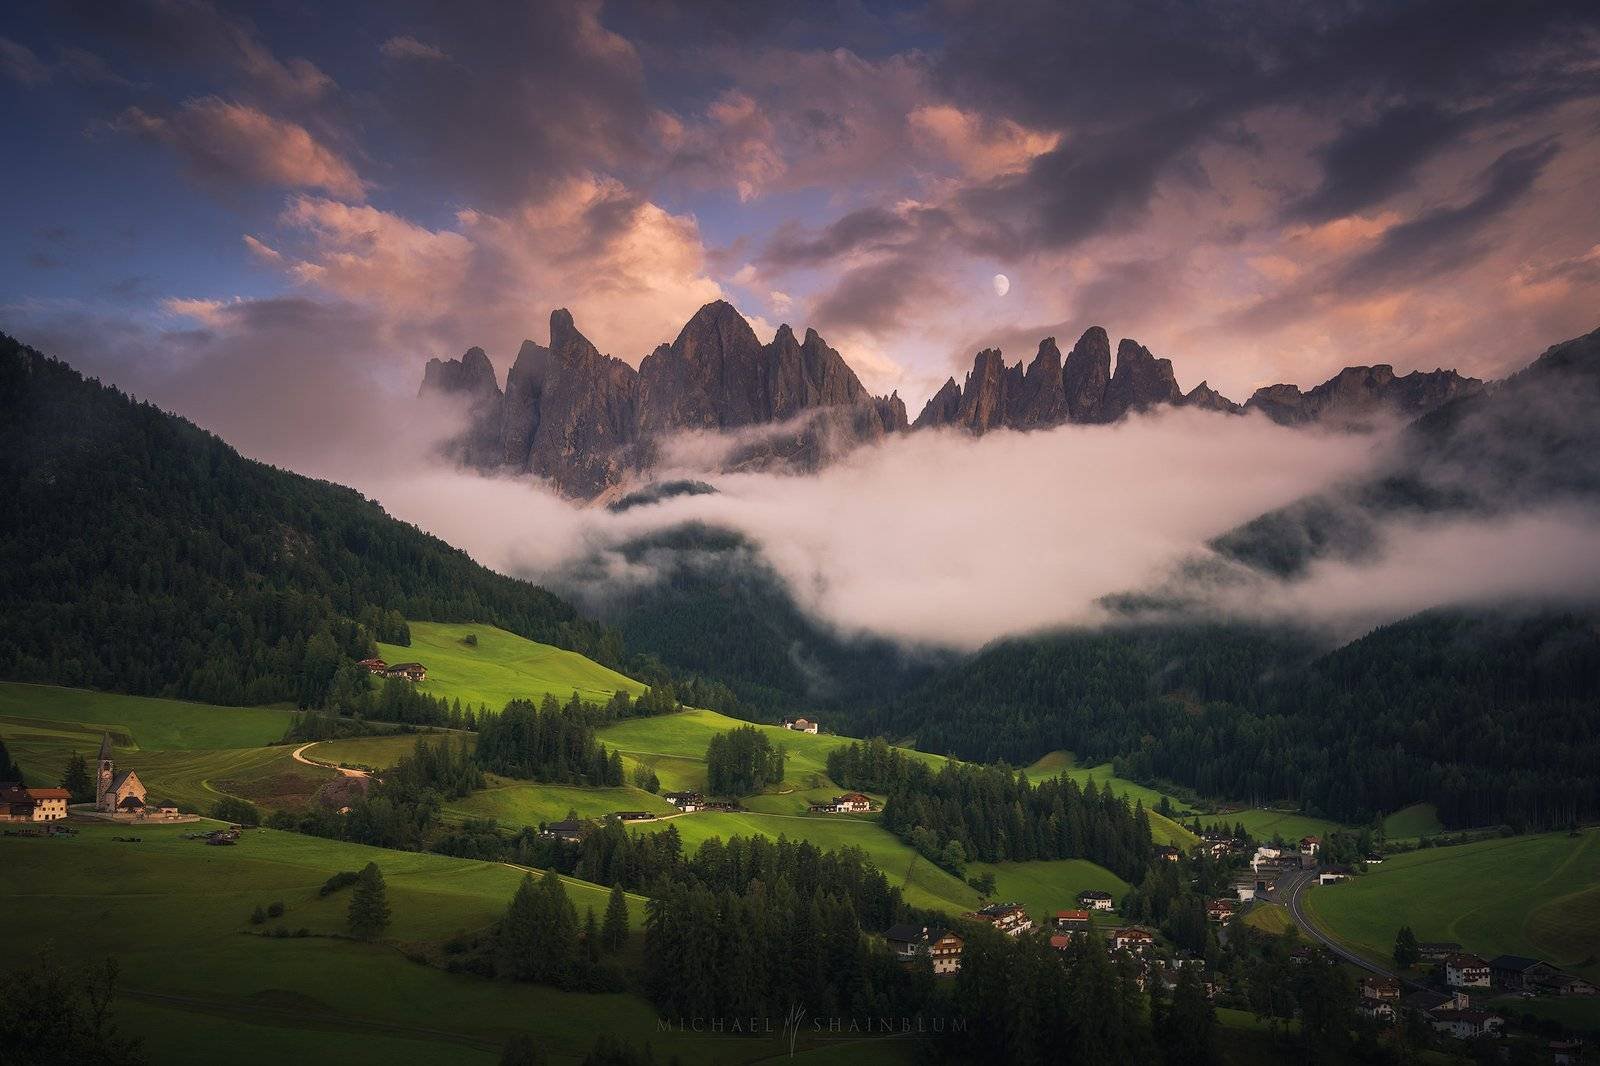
x: 589, y: 422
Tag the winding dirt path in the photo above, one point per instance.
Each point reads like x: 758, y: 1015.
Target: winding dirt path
x: 345, y: 770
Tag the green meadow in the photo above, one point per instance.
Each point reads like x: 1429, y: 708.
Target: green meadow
x: 502, y: 666
x: 1266, y: 824
x: 1527, y: 895
x: 1409, y: 823
x: 519, y: 803
x: 382, y: 752
x: 196, y: 980
x: 1048, y: 886
x: 139, y: 721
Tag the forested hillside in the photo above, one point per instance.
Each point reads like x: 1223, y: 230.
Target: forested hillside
x: 1489, y: 716
x: 141, y: 554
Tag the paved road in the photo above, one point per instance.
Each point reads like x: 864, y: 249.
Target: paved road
x: 1296, y: 888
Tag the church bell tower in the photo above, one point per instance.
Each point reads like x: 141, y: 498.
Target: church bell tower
x: 102, y: 792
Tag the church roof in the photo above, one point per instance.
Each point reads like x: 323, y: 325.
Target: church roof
x: 105, y: 747
x: 122, y: 779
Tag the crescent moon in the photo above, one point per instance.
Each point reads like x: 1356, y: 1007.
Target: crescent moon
x: 1002, y: 284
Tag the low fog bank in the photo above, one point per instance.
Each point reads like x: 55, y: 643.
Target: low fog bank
x: 932, y: 538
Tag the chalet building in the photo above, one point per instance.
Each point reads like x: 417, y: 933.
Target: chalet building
x: 408, y: 671
x: 687, y: 802
x: 1168, y: 853
x: 1563, y: 984
x: 1374, y: 860
x: 911, y: 942
x: 21, y: 804
x: 1310, y: 848
x: 1438, y: 950
x: 1380, y: 1009
x: 1220, y: 911
x: 1095, y: 901
x: 1467, y: 1024
x: 116, y: 792
x: 826, y: 807
x: 1466, y: 971
x: 1072, y: 921
x: 1132, y: 939
x: 800, y: 725
x: 1384, y: 988
x: 1008, y: 918
x: 852, y: 802
x: 569, y: 830
x: 373, y: 666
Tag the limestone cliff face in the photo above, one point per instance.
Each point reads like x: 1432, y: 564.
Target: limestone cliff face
x: 1358, y: 394
x: 587, y: 421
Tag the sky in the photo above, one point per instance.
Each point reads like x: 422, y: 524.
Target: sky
x: 259, y: 213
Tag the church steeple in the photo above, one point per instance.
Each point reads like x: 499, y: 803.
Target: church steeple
x: 102, y: 796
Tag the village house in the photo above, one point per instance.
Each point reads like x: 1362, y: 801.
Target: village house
x: 941, y: 946
x: 1384, y: 988
x: 1374, y: 859
x: 1427, y: 1001
x: 1467, y: 1024
x: 800, y: 725
x: 687, y: 802
x: 1310, y: 848
x: 1132, y: 939
x: 1380, y: 1009
x: 409, y: 671
x: 1072, y: 921
x: 852, y: 803
x: 1220, y: 911
x: 1562, y: 984
x: 1260, y: 885
x: 1095, y: 901
x: 1466, y: 971
x: 1168, y: 853
x: 1335, y: 874
x: 1437, y: 950
x: 49, y: 804
x: 1008, y: 918
x: 570, y: 830
x: 373, y: 666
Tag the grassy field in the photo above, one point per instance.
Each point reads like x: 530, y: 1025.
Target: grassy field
x: 1048, y: 886
x: 140, y: 722
x: 502, y: 667
x: 1269, y: 918
x: 381, y: 753
x: 1417, y: 820
x: 174, y: 912
x: 520, y: 803
x: 1531, y: 895
x: 924, y: 884
x: 1264, y: 824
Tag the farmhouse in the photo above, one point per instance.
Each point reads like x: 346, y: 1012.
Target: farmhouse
x: 1220, y: 910
x: 852, y: 802
x: 1310, y: 847
x: 373, y: 666
x: 1384, y: 988
x: 1008, y: 918
x: 1467, y: 1024
x: 687, y: 802
x: 1168, y: 853
x: 1563, y: 984
x: 1132, y: 939
x: 408, y: 671
x: 941, y: 946
x: 1381, y: 1009
x: 116, y: 792
x: 1095, y: 901
x: 1513, y: 973
x: 571, y: 830
x: 1072, y: 921
x: 1466, y: 971
x: 800, y: 725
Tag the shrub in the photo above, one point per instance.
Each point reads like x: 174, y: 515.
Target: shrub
x: 343, y: 879
x: 258, y: 916
x: 241, y: 812
x: 275, y: 909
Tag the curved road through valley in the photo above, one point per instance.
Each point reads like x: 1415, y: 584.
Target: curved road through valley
x: 345, y: 770
x: 1296, y: 885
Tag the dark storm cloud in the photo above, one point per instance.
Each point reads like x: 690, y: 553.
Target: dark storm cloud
x: 532, y: 93
x: 1369, y: 162
x: 876, y: 295
x: 870, y: 227
x: 1436, y: 240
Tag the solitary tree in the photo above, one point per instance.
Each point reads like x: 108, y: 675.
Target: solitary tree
x: 369, y: 904
x: 614, y: 934
x: 9, y: 770
x: 1406, y: 952
x: 76, y: 780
